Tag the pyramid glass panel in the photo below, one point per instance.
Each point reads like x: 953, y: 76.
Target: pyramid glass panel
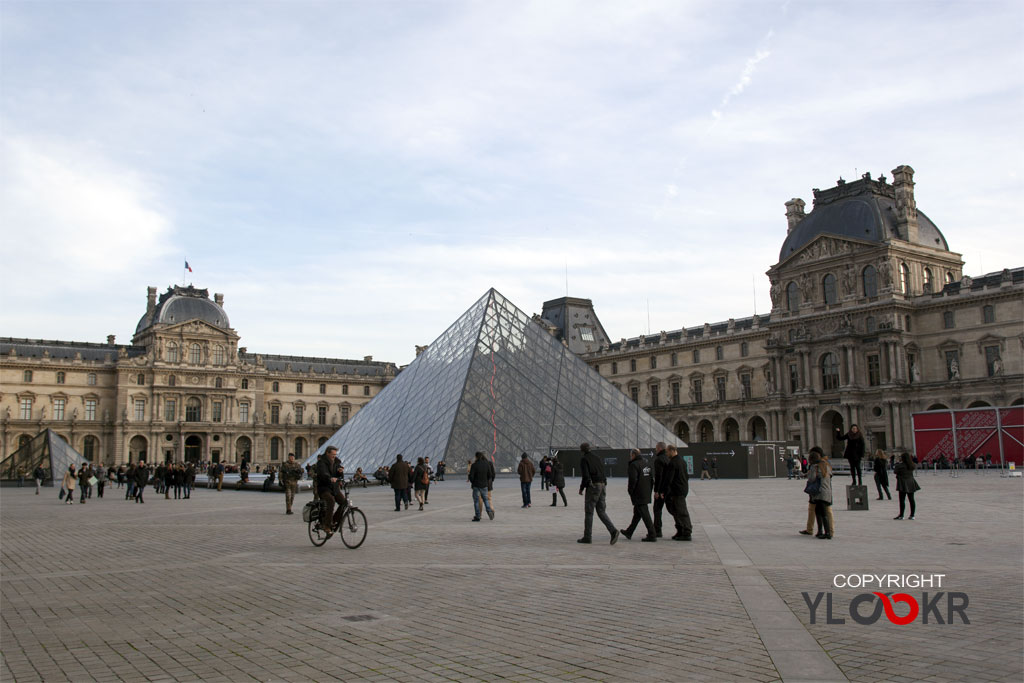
x: 46, y: 448
x: 496, y: 382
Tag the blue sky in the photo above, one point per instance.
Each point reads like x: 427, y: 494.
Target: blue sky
x: 353, y: 175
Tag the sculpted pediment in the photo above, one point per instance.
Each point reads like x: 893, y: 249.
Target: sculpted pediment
x: 198, y: 327
x: 825, y: 246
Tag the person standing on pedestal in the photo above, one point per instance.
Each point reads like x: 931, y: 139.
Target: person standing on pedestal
x: 854, y: 451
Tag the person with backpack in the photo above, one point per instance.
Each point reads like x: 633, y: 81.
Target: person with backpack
x: 420, y: 481
x: 39, y: 475
x: 639, y: 485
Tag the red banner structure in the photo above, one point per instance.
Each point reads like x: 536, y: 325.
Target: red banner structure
x: 995, y: 432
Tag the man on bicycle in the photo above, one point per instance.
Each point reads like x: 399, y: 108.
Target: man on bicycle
x: 328, y: 478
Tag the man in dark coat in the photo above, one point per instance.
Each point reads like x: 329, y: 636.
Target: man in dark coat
x: 400, y: 476
x: 593, y: 484
x: 660, y: 462
x: 639, y: 486
x: 141, y: 479
x: 481, y: 474
x: 854, y: 451
x: 526, y: 471
x: 675, y: 485
x: 327, y: 471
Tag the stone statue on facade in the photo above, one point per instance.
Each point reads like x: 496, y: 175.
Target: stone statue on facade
x: 997, y: 367
x: 885, y: 272
x: 848, y: 281
x: 915, y: 374
x: 806, y: 287
x: 776, y: 293
x: 954, y: 369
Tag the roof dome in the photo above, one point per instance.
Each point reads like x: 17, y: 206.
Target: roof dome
x: 864, y: 210
x: 180, y: 304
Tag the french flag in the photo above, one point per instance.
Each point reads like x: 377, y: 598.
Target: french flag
x: 188, y: 267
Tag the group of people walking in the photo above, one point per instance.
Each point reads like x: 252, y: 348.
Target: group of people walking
x: 166, y: 478
x: 819, y: 481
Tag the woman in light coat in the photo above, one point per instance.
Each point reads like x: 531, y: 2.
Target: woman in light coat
x: 820, y: 471
x: 70, y: 479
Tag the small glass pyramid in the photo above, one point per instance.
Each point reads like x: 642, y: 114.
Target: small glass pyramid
x: 47, y: 449
x: 496, y: 382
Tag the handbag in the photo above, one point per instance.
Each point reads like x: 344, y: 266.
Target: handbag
x: 61, y: 496
x: 813, y: 488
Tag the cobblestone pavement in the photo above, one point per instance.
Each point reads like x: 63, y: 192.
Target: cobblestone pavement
x: 225, y: 587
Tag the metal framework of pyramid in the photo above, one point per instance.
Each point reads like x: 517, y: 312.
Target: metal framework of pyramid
x: 47, y: 449
x: 496, y: 382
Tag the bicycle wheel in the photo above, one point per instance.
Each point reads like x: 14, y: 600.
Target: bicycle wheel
x: 317, y: 534
x: 353, y: 528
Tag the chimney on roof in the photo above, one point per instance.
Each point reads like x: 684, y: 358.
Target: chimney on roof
x: 218, y: 299
x: 368, y: 359
x: 150, y: 302
x: 794, y: 213
x: 906, y: 207
x: 110, y: 340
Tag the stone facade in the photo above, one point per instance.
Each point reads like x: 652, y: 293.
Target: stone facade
x: 872, y: 320
x: 182, y: 390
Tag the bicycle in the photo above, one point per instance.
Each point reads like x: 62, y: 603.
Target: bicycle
x: 352, y: 528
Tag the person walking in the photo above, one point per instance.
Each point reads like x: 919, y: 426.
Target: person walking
x: 558, y: 481
x: 526, y: 471
x: 660, y: 462
x: 854, y: 451
x: 327, y: 481
x: 819, y: 490
x: 141, y: 479
x: 880, y: 466
x: 639, y: 485
x: 190, y: 480
x: 705, y: 469
x: 675, y: 487
x: 68, y: 485
x: 426, y: 487
x: 420, y: 479
x: 39, y: 475
x: 790, y: 465
x: 101, y: 480
x: 906, y: 485
x: 129, y: 475
x: 714, y: 467
x: 399, y: 477
x: 480, y: 476
x: 291, y: 472
x: 167, y: 480
x: 593, y: 484
x: 84, y: 472
x: 220, y: 475
x: 441, y: 467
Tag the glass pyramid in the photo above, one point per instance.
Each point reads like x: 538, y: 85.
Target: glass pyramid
x: 496, y: 382
x: 47, y: 449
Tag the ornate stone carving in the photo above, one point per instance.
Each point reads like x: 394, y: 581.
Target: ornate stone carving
x: 776, y: 294
x: 806, y: 288
x: 848, y: 281
x: 885, y: 273
x: 825, y: 248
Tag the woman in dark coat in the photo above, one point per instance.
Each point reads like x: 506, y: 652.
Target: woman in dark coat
x: 906, y: 485
x: 854, y: 451
x: 558, y: 481
x: 880, y: 466
x: 820, y: 471
x: 418, y: 475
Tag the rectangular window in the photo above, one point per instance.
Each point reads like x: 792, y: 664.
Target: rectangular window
x: 744, y: 349
x: 243, y: 412
x: 674, y: 359
x: 170, y: 410
x: 323, y: 388
x: 299, y: 414
x: 696, y: 355
x: 675, y: 393
x: 632, y: 364
x: 948, y: 321
x: 275, y: 414
x: 587, y: 334
x: 58, y: 409
x: 217, y: 411
x: 615, y: 368
x: 140, y: 410
x: 952, y: 365
x: 745, y: 384
x: 880, y: 441
x: 992, y: 361
x: 25, y: 411
x: 90, y: 409
x: 344, y: 414
x: 634, y: 393
x: 298, y: 388
x: 60, y: 378
x: 794, y: 378
x: 654, y: 362
x: 344, y: 389
x: 655, y: 390
x: 366, y: 391
x: 90, y: 379
x: 720, y: 388
x: 698, y: 391
x: 719, y: 353
x: 988, y: 314
x: 874, y: 370
x: 321, y: 415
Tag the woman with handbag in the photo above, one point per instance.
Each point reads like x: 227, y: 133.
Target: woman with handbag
x: 906, y: 485
x: 70, y: 479
x: 819, y: 489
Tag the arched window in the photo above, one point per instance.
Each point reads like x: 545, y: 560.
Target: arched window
x: 904, y: 278
x: 218, y: 355
x: 194, y: 354
x: 140, y: 379
x: 60, y: 377
x: 792, y: 297
x: 829, y: 372
x: 193, y: 410
x: 870, y: 278
x: 949, y: 276
x: 707, y: 431
x: 927, y: 279
x: 218, y: 383
x: 27, y: 376
x: 172, y: 352
x: 245, y: 384
x: 828, y: 288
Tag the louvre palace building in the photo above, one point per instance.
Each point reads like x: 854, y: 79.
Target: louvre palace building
x: 872, y: 320
x: 182, y: 390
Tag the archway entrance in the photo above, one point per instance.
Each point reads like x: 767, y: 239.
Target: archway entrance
x: 830, y: 422
x: 706, y: 431
x: 137, y: 448
x: 683, y: 431
x: 243, y: 450
x: 730, y: 430
x: 758, y: 429
x: 193, y: 448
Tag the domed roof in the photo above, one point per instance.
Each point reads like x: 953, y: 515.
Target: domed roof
x: 863, y: 210
x: 179, y: 304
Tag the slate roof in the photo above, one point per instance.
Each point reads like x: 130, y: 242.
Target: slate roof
x: 179, y: 304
